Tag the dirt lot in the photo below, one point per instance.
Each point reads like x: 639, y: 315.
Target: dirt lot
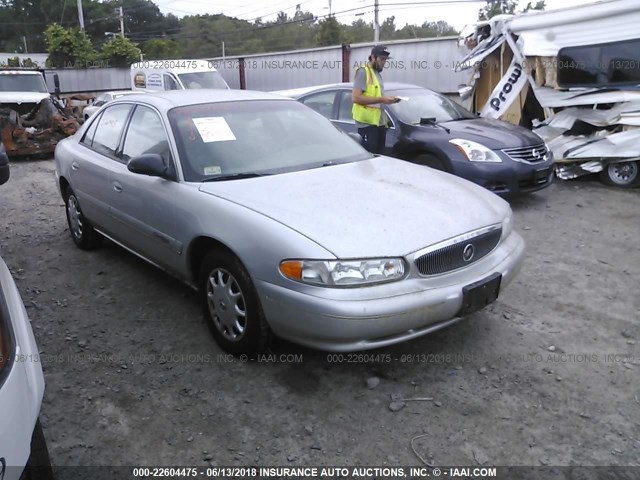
x: 546, y: 376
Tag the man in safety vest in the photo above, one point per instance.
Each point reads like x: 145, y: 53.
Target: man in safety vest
x: 367, y: 96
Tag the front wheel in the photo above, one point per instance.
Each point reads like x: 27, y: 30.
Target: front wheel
x: 82, y: 232
x: 231, y: 305
x: 621, y: 174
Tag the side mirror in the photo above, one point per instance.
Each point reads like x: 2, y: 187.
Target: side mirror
x: 151, y: 164
x: 356, y: 137
x: 4, y: 165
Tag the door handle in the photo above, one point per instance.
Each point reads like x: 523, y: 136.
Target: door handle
x: 117, y: 187
x: 74, y: 167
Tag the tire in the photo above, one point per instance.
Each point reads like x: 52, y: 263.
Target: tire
x: 429, y: 160
x: 621, y: 174
x: 39, y: 464
x: 224, y: 282
x: 81, y: 231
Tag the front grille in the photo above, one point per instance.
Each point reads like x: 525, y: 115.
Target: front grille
x: 532, y: 154
x: 451, y: 257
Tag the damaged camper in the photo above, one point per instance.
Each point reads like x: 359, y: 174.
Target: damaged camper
x: 571, y: 75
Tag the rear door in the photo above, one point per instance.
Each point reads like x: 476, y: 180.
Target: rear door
x: 94, y: 161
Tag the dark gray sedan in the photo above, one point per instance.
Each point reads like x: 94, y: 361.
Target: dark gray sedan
x: 282, y: 222
x: 429, y: 129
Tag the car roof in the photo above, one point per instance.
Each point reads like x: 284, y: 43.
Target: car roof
x: 176, y: 98
x: 300, y: 92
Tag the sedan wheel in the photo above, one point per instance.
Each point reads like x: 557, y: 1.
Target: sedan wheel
x: 226, y: 304
x: 231, y: 304
x: 81, y: 230
x: 621, y: 174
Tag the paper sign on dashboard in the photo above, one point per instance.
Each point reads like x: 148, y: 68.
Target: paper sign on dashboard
x: 213, y: 129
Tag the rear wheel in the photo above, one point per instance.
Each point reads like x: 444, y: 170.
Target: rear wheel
x: 231, y: 304
x: 82, y: 232
x: 621, y: 174
x: 39, y: 464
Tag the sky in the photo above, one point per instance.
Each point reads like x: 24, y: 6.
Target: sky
x: 457, y: 13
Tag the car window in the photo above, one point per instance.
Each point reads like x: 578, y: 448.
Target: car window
x: 145, y: 134
x: 420, y: 103
x: 170, y: 83
x: 109, y: 129
x: 87, y: 139
x: 346, y: 104
x: 321, y: 102
x: 195, y: 80
x: 256, y: 137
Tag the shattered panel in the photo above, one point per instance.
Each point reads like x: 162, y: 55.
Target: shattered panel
x: 37, y: 132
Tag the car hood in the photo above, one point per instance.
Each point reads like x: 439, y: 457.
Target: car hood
x: 377, y: 207
x: 494, y: 134
x: 22, y: 97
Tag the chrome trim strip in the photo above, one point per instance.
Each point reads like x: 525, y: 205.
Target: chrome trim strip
x: 453, y: 241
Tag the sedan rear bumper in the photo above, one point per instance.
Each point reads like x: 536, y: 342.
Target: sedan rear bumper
x: 351, y: 324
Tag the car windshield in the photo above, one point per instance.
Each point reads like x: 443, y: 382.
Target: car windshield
x: 260, y: 137
x: 209, y: 79
x: 22, y: 83
x: 421, y: 103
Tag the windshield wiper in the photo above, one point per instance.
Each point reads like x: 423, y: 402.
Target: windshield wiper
x: 432, y: 121
x: 234, y: 176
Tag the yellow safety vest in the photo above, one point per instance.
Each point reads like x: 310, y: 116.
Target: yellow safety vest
x: 369, y: 114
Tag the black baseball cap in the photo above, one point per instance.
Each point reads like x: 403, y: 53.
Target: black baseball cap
x: 380, y: 51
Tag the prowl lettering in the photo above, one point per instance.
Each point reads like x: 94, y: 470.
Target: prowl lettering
x: 507, y: 88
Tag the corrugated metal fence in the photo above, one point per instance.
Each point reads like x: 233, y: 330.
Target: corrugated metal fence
x: 425, y: 62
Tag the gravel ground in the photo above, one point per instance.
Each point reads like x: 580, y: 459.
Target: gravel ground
x: 548, y: 375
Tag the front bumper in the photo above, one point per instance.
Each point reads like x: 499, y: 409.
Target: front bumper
x: 354, y: 319
x: 22, y: 381
x: 506, y: 178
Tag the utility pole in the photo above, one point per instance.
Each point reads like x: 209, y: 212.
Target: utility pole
x: 80, y: 16
x: 24, y: 40
x: 121, y: 23
x: 376, y: 25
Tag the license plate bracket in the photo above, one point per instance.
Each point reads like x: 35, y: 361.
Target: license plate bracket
x: 541, y: 175
x: 478, y: 295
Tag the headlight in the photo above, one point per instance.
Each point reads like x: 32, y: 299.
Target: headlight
x: 507, y: 225
x: 475, y: 152
x: 339, y: 273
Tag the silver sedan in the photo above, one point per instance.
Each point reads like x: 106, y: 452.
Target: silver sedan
x: 284, y: 224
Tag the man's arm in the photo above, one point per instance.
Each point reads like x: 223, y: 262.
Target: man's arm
x: 357, y: 96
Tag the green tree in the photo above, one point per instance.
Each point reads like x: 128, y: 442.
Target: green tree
x: 68, y: 47
x: 540, y: 5
x: 496, y: 7
x: 388, y: 28
x: 359, y: 31
x: 120, y: 52
x: 427, y: 30
x: 329, y: 32
x: 157, y: 49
